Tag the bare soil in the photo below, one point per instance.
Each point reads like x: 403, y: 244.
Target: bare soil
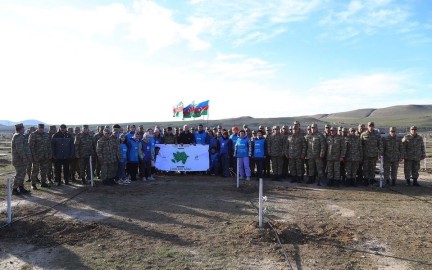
x: 202, y: 222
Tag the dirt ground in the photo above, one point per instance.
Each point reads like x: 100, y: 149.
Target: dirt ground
x: 203, y: 222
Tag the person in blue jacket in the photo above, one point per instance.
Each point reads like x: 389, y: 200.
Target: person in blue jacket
x: 133, y: 156
x: 121, y: 171
x: 259, y: 152
x: 225, y: 148
x: 214, y: 161
x: 242, y: 153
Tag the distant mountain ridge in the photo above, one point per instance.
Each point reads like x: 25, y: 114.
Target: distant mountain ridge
x: 30, y: 122
x: 401, y: 116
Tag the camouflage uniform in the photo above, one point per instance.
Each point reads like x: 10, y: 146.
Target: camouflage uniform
x: 295, y: 150
x: 51, y: 132
x: 107, y: 152
x: 29, y: 166
x: 392, y: 154
x: 40, y: 146
x: 83, y: 150
x: 413, y: 151
x: 353, y: 156
x: 335, y: 153
x: 96, y: 163
x: 372, y: 149
x: 315, y: 154
x: 21, y: 157
x: 275, y: 151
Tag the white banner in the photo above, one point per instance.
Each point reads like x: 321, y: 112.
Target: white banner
x: 173, y: 157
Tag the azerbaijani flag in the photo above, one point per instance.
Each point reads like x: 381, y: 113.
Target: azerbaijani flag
x: 188, y: 111
x: 201, y: 109
x: 177, y: 110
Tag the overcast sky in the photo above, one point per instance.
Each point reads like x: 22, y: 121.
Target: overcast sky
x: 82, y: 61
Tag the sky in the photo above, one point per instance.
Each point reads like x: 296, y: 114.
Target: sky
x: 90, y: 62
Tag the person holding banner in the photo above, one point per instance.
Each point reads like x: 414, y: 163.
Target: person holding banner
x: 242, y: 152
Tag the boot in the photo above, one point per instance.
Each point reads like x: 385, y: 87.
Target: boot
x: 408, y: 182
x: 83, y: 180
x: 393, y: 182
x: 15, y: 191
x: 294, y: 179
x: 330, y: 182
x: 299, y: 179
x: 23, y: 190
x: 387, y: 182
x: 366, y: 182
x: 415, y: 183
x: 320, y: 180
x: 311, y: 180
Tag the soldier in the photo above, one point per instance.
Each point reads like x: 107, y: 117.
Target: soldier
x: 353, y: 156
x: 275, y: 150
x: 315, y: 154
x: 51, y: 132
x: 29, y: 166
x: 335, y: 154
x: 285, y: 165
x: 295, y: 150
x: 413, y: 151
x: 83, y: 150
x: 360, y: 130
x: 74, y: 162
x: 21, y: 157
x: 392, y: 155
x: 107, y: 157
x: 372, y: 149
x: 40, y: 147
x: 267, y: 160
x: 62, y: 151
x: 344, y: 134
x: 96, y: 137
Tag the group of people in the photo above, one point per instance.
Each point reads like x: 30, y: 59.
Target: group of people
x: 339, y: 155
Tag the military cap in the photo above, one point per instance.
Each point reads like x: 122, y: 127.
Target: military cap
x: 296, y: 123
x: 85, y: 126
x: 327, y: 126
x: 106, y: 130
x: 77, y: 128
x: 333, y: 128
x: 392, y: 129
x: 169, y: 128
x: 413, y: 128
x: 62, y: 126
x: 53, y: 127
x: 18, y: 126
x: 276, y: 127
x: 116, y: 126
x: 352, y: 129
x: 314, y: 125
x: 344, y: 129
x: 371, y: 124
x: 41, y: 125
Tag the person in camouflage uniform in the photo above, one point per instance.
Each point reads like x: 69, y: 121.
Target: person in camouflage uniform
x: 392, y: 155
x: 21, y: 157
x: 360, y: 129
x: 315, y: 154
x: 107, y: 157
x: 96, y: 163
x: 40, y: 147
x: 413, y: 152
x: 51, y: 132
x: 335, y: 154
x: 267, y: 159
x: 170, y: 137
x: 285, y: 165
x: 372, y: 149
x: 29, y: 166
x: 295, y: 150
x: 83, y: 150
x: 74, y: 162
x: 353, y: 156
x: 275, y: 149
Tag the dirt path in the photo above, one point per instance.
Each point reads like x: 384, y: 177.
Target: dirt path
x: 202, y: 222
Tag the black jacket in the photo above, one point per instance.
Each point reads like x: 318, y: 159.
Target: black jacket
x: 62, y: 146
